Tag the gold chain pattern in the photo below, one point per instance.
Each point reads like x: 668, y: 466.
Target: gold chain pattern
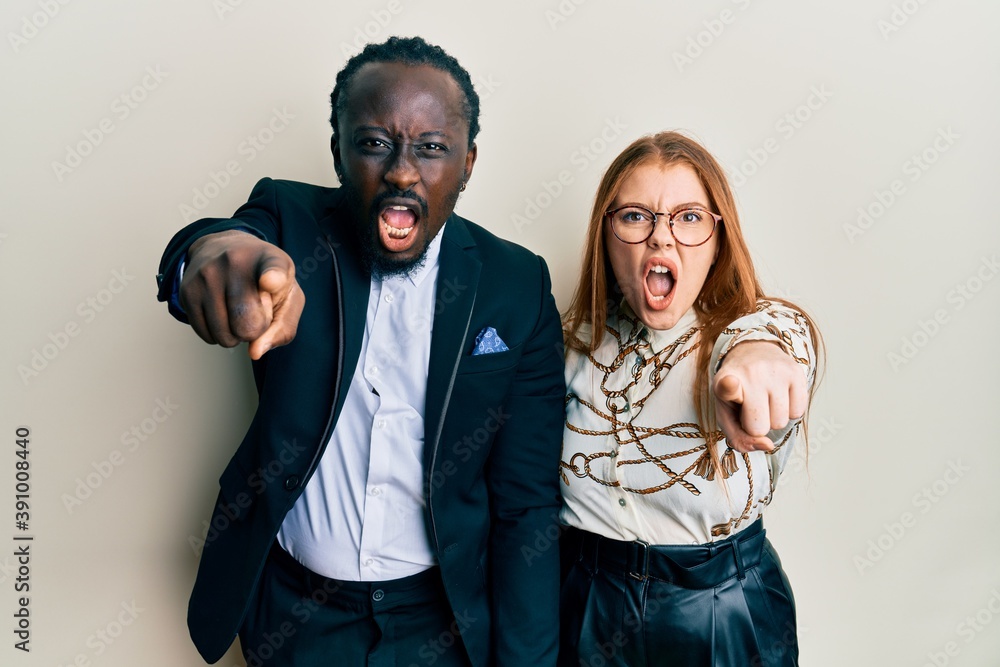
x: 631, y: 440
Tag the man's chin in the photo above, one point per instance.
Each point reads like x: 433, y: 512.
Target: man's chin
x: 385, y: 264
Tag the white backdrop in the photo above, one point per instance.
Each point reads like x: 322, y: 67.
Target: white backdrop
x: 862, y: 137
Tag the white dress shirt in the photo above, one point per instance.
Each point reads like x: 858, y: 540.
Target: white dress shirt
x: 361, y: 516
x: 645, y: 473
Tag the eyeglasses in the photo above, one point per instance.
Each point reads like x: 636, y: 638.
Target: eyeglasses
x: 689, y: 227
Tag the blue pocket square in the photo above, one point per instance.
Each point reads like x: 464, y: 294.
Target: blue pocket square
x: 488, y: 341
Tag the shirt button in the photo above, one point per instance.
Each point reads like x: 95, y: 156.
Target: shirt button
x: 376, y: 491
x: 374, y: 370
x: 389, y: 297
x: 377, y: 595
x: 369, y: 561
x: 621, y: 501
x: 380, y: 423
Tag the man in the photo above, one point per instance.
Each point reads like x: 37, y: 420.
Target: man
x: 407, y: 461
x: 387, y: 503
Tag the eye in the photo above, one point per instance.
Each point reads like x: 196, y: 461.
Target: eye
x: 432, y: 149
x: 373, y: 145
x: 691, y: 216
x: 635, y: 216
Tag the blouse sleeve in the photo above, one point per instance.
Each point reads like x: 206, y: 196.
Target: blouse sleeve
x: 788, y: 328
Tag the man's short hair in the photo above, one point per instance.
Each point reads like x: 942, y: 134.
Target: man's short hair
x: 410, y: 51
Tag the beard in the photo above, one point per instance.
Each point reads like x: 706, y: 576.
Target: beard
x: 379, y: 262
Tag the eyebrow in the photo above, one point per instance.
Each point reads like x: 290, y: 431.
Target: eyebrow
x: 383, y: 130
x: 679, y: 207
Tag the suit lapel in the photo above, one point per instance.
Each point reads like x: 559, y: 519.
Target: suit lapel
x: 353, y: 285
x: 455, y: 296
x: 457, y: 284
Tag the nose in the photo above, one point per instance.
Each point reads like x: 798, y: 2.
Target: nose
x: 402, y: 173
x: 661, y: 237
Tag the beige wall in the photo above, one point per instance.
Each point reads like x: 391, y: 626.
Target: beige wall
x: 889, y: 538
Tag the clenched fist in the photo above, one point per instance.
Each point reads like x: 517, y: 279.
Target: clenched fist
x: 238, y: 288
x: 758, y: 388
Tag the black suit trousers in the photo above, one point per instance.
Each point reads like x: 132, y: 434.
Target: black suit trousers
x: 303, y: 619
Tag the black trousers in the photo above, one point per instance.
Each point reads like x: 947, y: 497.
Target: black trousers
x: 303, y: 619
x: 725, y: 604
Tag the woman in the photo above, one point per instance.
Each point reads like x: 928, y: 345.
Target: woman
x: 665, y: 555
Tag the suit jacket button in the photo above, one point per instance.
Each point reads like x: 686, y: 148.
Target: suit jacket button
x: 291, y: 482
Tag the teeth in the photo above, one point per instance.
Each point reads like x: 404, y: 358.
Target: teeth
x: 659, y: 268
x: 657, y: 298
x: 399, y: 208
x: 397, y: 233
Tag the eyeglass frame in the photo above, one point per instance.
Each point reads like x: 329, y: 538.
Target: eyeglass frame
x: 716, y: 218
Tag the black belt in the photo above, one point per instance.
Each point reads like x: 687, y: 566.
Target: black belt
x: 689, y: 566
x: 423, y: 586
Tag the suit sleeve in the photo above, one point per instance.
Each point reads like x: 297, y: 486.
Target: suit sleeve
x: 524, y: 499
x: 259, y: 216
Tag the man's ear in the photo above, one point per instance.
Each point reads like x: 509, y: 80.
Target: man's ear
x: 335, y: 150
x: 470, y: 162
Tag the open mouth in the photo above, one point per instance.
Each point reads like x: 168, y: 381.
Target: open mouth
x: 660, y: 281
x: 397, y: 222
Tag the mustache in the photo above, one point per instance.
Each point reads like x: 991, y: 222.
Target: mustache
x: 400, y: 194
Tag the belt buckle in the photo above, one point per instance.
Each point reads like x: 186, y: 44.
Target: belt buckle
x: 641, y: 551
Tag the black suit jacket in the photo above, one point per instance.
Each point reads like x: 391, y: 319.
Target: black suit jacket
x: 493, y: 424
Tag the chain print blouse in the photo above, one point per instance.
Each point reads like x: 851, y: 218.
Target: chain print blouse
x: 635, y: 463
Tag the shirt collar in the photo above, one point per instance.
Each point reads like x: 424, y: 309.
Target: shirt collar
x: 630, y: 327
